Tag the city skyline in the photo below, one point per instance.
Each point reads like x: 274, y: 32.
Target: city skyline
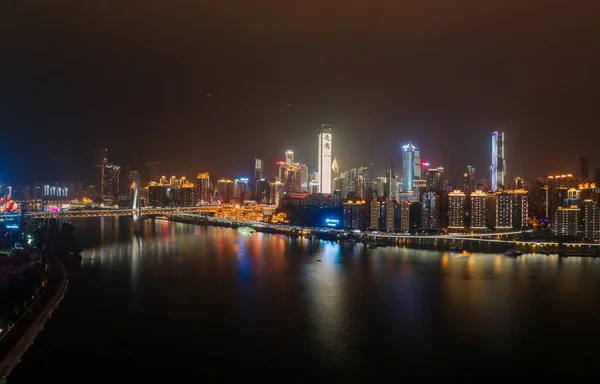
x: 445, y: 83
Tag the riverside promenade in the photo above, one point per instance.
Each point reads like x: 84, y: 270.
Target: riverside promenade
x: 16, y: 341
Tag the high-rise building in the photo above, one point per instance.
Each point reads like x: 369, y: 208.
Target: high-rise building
x: 240, y: 187
x: 203, y: 191
x: 157, y: 195
x: 504, y: 210
x: 335, y: 169
x: 289, y: 157
x: 408, y: 166
x: 187, y: 195
x: 354, y: 214
x: 498, y: 169
x: 324, y: 159
x: 430, y: 211
x: 418, y: 175
x: 591, y: 220
x: 520, y: 208
x: 303, y: 177
x: 478, y: 211
x: 391, y: 182
x: 225, y: 189
x: 583, y: 168
x: 456, y: 210
x: 101, y: 160
x: 566, y: 221
x: 111, y: 182
x: 434, y: 179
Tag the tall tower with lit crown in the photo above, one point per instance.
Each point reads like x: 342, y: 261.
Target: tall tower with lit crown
x: 498, y: 169
x: 324, y: 159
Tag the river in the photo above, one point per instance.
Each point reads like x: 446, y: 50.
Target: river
x: 185, y: 302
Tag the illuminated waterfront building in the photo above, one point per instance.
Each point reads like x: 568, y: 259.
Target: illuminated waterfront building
x: 498, y: 168
x: 157, y: 195
x: 478, y: 211
x: 225, y: 190
x: 504, y: 210
x: 430, y: 211
x: 566, y: 221
x: 111, y: 182
x: 187, y: 196
x: 203, y: 189
x: 520, y: 208
x: 456, y: 210
x: 591, y: 220
x: 408, y: 166
x: 324, y: 159
x: 354, y: 215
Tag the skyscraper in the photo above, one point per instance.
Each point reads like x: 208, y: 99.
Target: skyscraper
x: 418, y: 175
x: 408, y: 166
x: 203, y: 187
x: 324, y: 159
x: 498, y: 169
x: 289, y: 157
x: 456, y: 211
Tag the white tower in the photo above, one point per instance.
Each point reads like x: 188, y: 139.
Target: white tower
x: 325, y: 159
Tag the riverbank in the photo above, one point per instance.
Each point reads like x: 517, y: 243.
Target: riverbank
x: 440, y: 243
x: 22, y: 334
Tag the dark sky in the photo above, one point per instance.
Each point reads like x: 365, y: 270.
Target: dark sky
x: 134, y: 76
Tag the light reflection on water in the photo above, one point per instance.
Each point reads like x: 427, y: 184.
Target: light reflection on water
x: 265, y: 300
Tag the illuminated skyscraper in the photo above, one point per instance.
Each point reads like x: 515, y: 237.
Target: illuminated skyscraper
x: 203, y: 187
x: 289, y: 157
x: 418, y: 170
x: 408, y: 166
x: 498, y: 169
x: 324, y: 159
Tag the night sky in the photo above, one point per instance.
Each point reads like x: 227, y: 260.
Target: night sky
x: 135, y: 76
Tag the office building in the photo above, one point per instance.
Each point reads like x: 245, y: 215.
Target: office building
x: 324, y: 159
x: 456, y: 211
x: 498, y: 168
x: 240, y: 187
x: 257, y: 176
x: 408, y: 166
x: 289, y: 157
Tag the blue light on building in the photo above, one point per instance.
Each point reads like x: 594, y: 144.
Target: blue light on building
x: 332, y: 222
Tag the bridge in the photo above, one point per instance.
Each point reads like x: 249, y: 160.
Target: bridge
x: 121, y: 212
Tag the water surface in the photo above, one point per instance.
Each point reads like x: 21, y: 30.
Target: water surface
x: 187, y: 302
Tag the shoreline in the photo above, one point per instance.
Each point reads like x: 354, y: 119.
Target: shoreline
x: 446, y: 243
x: 33, y: 325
